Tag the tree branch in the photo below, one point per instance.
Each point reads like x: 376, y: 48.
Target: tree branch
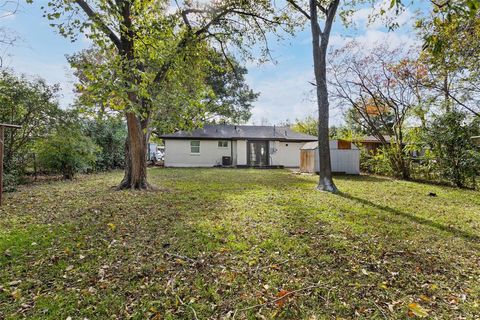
x: 96, y: 18
x: 299, y: 9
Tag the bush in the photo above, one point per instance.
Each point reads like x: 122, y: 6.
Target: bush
x: 12, y: 179
x: 31, y: 103
x: 67, y: 152
x: 110, y: 135
x: 377, y: 163
x: 457, y: 158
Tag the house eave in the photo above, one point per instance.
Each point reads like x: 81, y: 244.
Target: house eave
x: 235, y: 139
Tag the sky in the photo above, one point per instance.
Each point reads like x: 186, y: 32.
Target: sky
x: 284, y: 85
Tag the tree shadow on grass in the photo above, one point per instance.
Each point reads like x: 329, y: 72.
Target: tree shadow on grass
x: 426, y: 222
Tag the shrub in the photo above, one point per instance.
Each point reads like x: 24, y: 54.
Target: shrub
x: 457, y: 158
x: 377, y: 163
x: 32, y: 104
x: 109, y: 134
x: 67, y: 152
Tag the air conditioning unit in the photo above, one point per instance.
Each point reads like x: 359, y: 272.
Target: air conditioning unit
x: 226, y: 161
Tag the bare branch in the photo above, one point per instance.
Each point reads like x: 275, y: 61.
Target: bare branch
x: 299, y: 8
x: 97, y: 19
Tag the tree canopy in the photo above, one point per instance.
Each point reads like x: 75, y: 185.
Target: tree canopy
x: 153, y: 47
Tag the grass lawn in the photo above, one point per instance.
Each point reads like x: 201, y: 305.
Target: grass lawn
x: 256, y: 244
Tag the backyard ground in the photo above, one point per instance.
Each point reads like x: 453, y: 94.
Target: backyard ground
x: 220, y: 243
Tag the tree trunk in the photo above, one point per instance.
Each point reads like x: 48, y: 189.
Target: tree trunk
x: 136, y: 143
x: 320, y: 67
x: 135, y: 156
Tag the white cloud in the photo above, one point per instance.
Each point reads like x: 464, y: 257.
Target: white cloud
x: 371, y: 17
x: 286, y: 95
x: 372, y: 38
x: 285, y: 89
x: 283, y: 96
x: 53, y: 73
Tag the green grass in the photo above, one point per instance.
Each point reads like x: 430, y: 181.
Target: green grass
x: 215, y: 243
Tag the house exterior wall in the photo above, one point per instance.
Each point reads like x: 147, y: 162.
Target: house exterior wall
x: 235, y: 154
x: 285, y: 153
x: 177, y: 153
x: 241, y: 151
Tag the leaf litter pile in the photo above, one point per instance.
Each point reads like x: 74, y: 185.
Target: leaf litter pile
x: 239, y: 244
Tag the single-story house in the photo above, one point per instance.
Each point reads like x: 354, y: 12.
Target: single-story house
x: 235, y: 145
x: 371, y: 143
x: 344, y: 157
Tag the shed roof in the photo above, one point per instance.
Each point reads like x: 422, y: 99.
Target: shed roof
x: 373, y: 139
x: 241, y: 132
x: 333, y: 145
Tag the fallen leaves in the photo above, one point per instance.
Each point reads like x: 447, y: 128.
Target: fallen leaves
x: 112, y: 226
x: 414, y: 309
x: 283, y: 295
x: 16, y: 294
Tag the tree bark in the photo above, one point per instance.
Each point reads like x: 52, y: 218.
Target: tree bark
x: 320, y: 45
x: 136, y: 143
x: 135, y: 156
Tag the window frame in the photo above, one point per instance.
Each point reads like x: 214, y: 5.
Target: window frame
x: 194, y: 146
x: 225, y: 142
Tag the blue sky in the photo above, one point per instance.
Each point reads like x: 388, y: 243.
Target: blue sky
x: 284, y: 86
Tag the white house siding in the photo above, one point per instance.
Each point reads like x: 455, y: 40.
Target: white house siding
x: 241, y: 152
x: 234, y: 148
x: 177, y: 153
x: 285, y: 153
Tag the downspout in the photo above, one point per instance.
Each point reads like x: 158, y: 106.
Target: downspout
x: 231, y: 152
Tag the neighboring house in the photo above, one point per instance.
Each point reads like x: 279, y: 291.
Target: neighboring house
x: 235, y: 145
x: 371, y: 143
x: 476, y: 140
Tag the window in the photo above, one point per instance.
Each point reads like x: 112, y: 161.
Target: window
x: 195, y: 146
x: 223, y: 144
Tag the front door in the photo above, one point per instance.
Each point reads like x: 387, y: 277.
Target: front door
x: 257, y: 153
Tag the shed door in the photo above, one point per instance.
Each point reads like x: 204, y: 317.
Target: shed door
x: 257, y: 153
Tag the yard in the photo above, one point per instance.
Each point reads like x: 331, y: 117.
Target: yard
x: 220, y: 243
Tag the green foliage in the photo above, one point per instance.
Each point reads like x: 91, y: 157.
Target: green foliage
x: 232, y: 98
x: 446, y: 16
x: 378, y: 162
x: 457, y: 158
x: 452, y: 56
x: 31, y: 104
x: 168, y: 47
x: 109, y: 134
x: 308, y: 125
x: 67, y: 151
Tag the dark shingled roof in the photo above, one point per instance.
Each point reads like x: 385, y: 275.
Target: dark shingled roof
x: 236, y: 132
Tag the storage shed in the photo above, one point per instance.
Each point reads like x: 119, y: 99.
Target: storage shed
x: 344, y: 155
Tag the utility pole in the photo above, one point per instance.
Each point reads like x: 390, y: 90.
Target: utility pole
x: 2, y: 146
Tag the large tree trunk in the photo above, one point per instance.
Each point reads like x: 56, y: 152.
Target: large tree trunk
x: 135, y: 156
x: 136, y: 143
x: 320, y: 66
